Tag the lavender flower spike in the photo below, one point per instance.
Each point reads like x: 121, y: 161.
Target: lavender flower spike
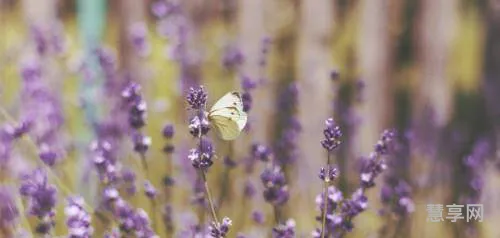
x: 78, y: 220
x: 197, y: 98
x: 220, y: 230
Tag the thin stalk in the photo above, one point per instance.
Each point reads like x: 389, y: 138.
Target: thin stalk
x: 152, y: 200
x: 276, y: 214
x: 205, y: 182
x: 209, y: 197
x: 49, y: 170
x: 325, y: 197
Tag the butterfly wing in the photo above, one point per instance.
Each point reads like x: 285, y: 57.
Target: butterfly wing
x: 231, y: 99
x: 225, y: 127
x: 228, y: 116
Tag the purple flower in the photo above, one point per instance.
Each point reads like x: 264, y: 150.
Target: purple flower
x: 261, y: 152
x: 168, y: 131
x: 8, y: 210
x: 229, y: 162
x: 149, y: 190
x: 41, y: 197
x: 129, y: 178
x: 197, y: 98
x: 219, y: 230
x: 167, y: 217
x: 334, y: 74
x: 104, y: 160
x: 286, y: 146
x: 249, y: 189
x: 141, y: 143
x: 138, y: 37
x: 332, y: 135
x: 199, y: 125
x: 258, y: 217
x: 159, y: 9
x: 78, y: 220
x: 328, y: 174
x: 47, y: 155
x: 137, y: 106
x: 334, y: 198
x: 286, y: 230
x: 275, y: 188
x: 232, y: 57
x: 202, y: 158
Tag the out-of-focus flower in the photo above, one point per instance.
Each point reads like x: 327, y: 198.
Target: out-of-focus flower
x: 42, y: 198
x: 261, y: 152
x: 78, y: 220
x: 149, y: 190
x: 286, y: 230
x: 168, y: 131
x: 129, y: 177
x: 258, y: 217
x: 286, y: 146
x: 8, y: 210
x: 141, y: 143
x: 232, y: 57
x: 104, y: 161
x: 219, y: 230
x: 138, y: 33
x: 275, y: 188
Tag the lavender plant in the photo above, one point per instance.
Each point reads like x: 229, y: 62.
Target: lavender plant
x: 202, y: 157
x: 338, y: 212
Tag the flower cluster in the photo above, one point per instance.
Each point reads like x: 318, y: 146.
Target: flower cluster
x: 202, y: 157
x: 8, y: 210
x: 286, y: 230
x: 275, y: 188
x: 138, y: 38
x: 199, y: 125
x: 474, y: 163
x: 168, y: 134
x: 42, y: 198
x: 398, y: 198
x: 372, y: 166
x: 77, y: 219
x: 104, y: 161
x: 42, y: 111
x: 332, y: 135
x: 137, y: 117
x: 261, y: 152
x: 286, y: 145
x: 232, y: 57
x: 197, y: 98
x: 8, y: 134
x: 131, y: 221
x: 220, y: 230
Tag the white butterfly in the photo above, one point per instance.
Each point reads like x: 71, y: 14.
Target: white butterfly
x: 227, y: 116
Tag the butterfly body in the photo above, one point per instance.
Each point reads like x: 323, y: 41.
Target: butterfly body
x: 227, y: 116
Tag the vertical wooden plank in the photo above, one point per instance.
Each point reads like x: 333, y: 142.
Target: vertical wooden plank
x: 315, y: 100
x: 491, y: 84
x: 130, y: 12
x: 432, y: 107
x: 251, y: 33
x: 374, y: 55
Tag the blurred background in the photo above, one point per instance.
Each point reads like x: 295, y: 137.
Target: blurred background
x: 428, y: 68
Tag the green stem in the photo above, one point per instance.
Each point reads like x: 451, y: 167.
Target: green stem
x: 152, y: 200
x: 209, y: 197
x: 325, y: 197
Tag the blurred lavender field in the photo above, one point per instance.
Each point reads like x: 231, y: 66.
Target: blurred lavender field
x: 366, y: 118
